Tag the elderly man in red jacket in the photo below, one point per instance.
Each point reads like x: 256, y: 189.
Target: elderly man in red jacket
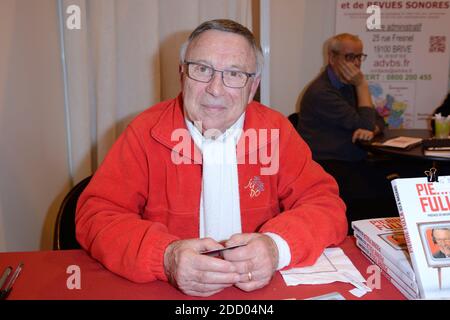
x: 208, y: 169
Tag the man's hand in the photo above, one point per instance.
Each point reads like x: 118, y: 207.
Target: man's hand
x: 196, y: 274
x: 351, y: 73
x: 362, y: 134
x: 256, y: 262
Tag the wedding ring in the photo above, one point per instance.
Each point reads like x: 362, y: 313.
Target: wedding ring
x: 249, y: 276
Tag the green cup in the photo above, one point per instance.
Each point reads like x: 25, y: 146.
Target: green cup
x: 442, y: 127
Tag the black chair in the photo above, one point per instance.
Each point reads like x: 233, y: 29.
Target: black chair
x: 293, y: 118
x: 64, y: 237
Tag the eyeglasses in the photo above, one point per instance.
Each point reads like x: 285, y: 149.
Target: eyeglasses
x: 350, y: 57
x: 443, y: 241
x: 230, y: 78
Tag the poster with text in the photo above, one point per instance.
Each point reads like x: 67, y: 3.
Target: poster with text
x: 408, y: 56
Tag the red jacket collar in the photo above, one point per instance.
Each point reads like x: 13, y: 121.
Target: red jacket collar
x: 172, y: 118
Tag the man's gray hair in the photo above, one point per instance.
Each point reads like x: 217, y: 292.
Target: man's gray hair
x: 335, y: 43
x: 227, y: 26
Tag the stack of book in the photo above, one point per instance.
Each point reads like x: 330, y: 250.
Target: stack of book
x: 437, y: 147
x: 382, y: 241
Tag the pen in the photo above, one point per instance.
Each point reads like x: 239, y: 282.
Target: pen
x: 5, y: 276
x: 216, y: 251
x: 5, y: 292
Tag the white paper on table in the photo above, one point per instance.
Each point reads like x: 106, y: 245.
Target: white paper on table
x: 328, y: 268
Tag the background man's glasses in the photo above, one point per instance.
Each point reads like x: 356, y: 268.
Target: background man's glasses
x: 443, y: 241
x: 350, y: 57
x: 203, y: 73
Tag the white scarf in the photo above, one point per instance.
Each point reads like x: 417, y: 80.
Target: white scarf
x: 220, y: 212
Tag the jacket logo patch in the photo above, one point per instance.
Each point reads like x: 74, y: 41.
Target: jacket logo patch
x: 256, y: 186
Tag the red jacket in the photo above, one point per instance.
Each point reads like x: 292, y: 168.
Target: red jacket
x: 139, y: 200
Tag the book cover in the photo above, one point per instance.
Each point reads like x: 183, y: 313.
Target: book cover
x: 424, y: 209
x: 400, y: 142
x: 386, y: 235
x: 387, y: 265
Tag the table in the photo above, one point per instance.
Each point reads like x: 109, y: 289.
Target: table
x: 413, y: 153
x: 44, y: 276
x: 407, y: 163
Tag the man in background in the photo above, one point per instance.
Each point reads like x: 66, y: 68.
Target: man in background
x: 336, y: 112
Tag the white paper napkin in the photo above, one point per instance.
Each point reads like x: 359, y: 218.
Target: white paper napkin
x: 333, y: 265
